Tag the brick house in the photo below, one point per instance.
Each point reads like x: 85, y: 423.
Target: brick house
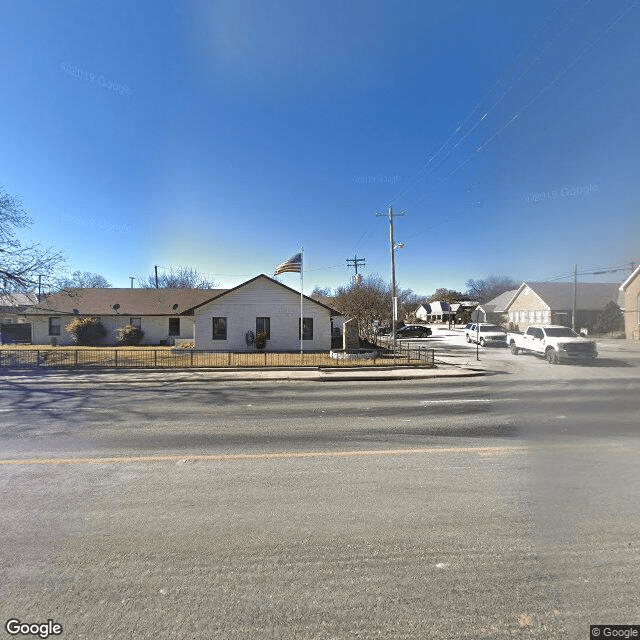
x: 552, y: 303
x: 630, y: 289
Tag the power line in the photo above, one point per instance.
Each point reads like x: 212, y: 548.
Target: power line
x: 477, y: 106
x: 586, y: 50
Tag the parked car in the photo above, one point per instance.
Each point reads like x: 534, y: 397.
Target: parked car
x: 413, y: 331
x: 484, y: 334
x: 555, y: 342
x: 383, y: 331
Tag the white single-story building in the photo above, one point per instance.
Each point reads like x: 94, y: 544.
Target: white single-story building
x: 215, y: 319
x: 159, y: 313
x: 231, y: 320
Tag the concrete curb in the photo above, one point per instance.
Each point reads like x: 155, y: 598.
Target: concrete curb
x: 123, y: 376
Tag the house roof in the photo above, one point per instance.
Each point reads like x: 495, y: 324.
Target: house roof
x: 12, y: 300
x: 630, y: 279
x: 334, y: 312
x: 131, y: 302
x: 500, y: 303
x: 559, y: 295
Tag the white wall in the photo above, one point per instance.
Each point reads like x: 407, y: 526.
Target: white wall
x: 262, y: 298
x: 156, y: 328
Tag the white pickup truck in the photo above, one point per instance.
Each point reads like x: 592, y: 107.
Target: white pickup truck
x: 555, y: 343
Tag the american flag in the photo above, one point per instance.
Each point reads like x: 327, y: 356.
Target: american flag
x: 292, y: 265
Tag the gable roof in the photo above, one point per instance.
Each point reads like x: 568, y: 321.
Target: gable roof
x: 224, y: 292
x: 500, y: 303
x: 131, y: 302
x: 559, y: 295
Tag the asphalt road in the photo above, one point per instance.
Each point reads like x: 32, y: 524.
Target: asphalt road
x: 495, y: 507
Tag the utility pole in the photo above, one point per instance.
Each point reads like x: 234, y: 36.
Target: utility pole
x: 355, y: 262
x: 131, y: 278
x: 39, y: 287
x: 575, y: 297
x: 392, y: 248
x: 156, y: 268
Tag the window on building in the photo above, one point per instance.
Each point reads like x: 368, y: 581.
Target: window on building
x: 638, y: 307
x: 219, y: 328
x: 54, y: 326
x: 174, y: 326
x: 264, y: 324
x: 307, y: 329
x: 136, y: 322
x: 8, y: 321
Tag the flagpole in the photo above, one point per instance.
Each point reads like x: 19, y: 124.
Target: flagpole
x: 301, y: 299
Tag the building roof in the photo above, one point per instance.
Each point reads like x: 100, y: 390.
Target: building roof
x: 130, y: 302
x: 334, y: 312
x: 500, y: 303
x: 559, y: 295
x: 18, y: 300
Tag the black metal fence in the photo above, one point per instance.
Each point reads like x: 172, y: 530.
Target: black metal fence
x: 149, y: 358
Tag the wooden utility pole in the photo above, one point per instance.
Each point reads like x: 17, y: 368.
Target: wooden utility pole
x: 355, y: 262
x: 156, y: 268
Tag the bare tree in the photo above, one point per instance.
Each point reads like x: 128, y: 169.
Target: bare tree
x: 490, y: 287
x: 83, y: 280
x: 446, y: 295
x: 178, y: 278
x: 21, y: 264
x: 368, y: 301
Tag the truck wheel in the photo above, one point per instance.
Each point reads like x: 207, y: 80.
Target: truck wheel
x: 552, y: 356
x: 514, y: 349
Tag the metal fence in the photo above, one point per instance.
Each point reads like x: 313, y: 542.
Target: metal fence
x: 149, y: 358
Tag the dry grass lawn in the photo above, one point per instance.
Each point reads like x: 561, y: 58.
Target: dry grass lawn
x: 143, y: 357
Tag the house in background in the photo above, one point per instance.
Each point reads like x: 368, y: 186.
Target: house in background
x: 440, y: 311
x: 630, y: 290
x: 162, y: 314
x: 436, y: 311
x: 495, y: 311
x: 230, y: 320
x: 14, y: 325
x: 552, y: 303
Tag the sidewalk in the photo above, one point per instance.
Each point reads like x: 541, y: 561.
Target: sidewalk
x: 119, y: 376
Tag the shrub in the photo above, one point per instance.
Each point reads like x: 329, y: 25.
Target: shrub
x: 129, y: 335
x: 610, y: 319
x: 261, y: 340
x: 86, y: 331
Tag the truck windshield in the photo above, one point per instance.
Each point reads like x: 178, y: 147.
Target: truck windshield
x: 490, y: 327
x: 561, y: 332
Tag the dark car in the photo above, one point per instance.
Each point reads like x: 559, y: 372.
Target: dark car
x: 383, y: 331
x: 413, y: 331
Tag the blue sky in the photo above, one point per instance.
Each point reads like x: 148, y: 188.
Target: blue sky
x: 226, y: 135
